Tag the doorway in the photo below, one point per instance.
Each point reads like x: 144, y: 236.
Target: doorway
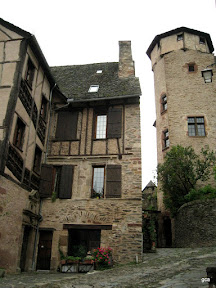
x: 44, y: 250
x: 26, y: 233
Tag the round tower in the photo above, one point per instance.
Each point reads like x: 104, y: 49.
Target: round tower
x: 185, y: 105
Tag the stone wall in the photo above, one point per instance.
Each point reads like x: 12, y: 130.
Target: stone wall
x: 195, y: 224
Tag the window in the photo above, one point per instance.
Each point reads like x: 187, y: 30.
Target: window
x: 30, y: 72
x: 37, y: 160
x: 44, y: 106
x: 99, y: 71
x: 191, y: 68
x: 164, y: 103
x: 113, y: 182
x: 202, y: 40
x: 19, y: 134
x: 57, y: 180
x: 98, y: 182
x: 101, y: 127
x: 93, y: 88
x: 67, y: 125
x: 180, y: 37
x: 196, y: 126
x: 166, y: 142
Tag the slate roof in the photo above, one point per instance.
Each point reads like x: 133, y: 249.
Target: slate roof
x: 179, y: 30
x: 74, y: 81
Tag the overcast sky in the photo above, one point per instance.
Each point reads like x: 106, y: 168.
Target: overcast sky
x: 87, y: 31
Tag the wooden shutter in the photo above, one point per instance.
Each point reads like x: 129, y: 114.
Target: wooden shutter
x: 114, y: 125
x: 113, y: 181
x: 47, y: 179
x: 66, y: 181
x: 67, y: 125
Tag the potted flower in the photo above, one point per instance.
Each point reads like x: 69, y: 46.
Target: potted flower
x: 102, y: 257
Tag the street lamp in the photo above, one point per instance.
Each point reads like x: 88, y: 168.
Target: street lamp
x: 207, y: 74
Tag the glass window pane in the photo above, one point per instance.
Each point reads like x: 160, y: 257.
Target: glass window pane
x: 200, y: 120
x: 101, y: 127
x: 191, y: 120
x: 98, y: 181
x: 191, y: 130
x: 201, y: 130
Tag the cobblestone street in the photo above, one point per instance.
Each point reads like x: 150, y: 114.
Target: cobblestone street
x: 179, y: 268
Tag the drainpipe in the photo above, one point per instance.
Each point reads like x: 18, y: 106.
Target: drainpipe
x: 40, y: 218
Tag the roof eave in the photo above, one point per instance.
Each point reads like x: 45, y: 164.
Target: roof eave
x: 178, y: 30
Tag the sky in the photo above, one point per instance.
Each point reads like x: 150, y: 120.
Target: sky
x: 73, y: 32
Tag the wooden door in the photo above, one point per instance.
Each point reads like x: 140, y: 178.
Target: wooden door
x: 44, y: 250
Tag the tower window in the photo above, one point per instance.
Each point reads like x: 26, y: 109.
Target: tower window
x: 191, y: 68
x: 163, y: 103
x: 202, y: 40
x: 196, y: 126
x: 166, y: 142
x: 180, y: 37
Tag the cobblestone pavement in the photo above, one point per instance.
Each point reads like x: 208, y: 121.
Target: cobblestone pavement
x: 167, y: 268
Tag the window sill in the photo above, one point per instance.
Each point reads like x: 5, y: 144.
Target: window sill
x: 165, y: 148
x: 20, y: 149
x: 197, y: 136
x: 163, y: 112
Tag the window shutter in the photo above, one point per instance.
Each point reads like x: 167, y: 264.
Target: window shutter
x: 47, y: 178
x: 67, y: 125
x: 66, y: 181
x: 114, y: 125
x: 113, y: 181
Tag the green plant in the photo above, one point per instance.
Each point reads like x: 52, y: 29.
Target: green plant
x: 207, y: 192
x: 181, y: 170
x: 72, y: 258
x: 79, y: 251
x: 62, y: 256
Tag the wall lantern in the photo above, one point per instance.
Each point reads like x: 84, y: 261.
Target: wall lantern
x: 207, y: 75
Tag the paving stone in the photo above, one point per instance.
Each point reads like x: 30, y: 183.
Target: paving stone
x: 167, y: 268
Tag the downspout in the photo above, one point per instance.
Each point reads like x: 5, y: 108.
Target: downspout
x: 40, y: 218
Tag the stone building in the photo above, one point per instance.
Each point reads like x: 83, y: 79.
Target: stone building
x: 70, y: 156
x: 185, y: 105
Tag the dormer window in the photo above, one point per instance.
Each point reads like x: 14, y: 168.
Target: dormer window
x: 99, y: 71
x: 93, y: 88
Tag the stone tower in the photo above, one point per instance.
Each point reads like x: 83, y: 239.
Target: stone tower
x: 185, y: 105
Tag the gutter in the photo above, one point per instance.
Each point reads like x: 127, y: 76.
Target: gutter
x: 71, y: 100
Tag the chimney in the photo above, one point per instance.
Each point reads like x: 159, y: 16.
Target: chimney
x: 126, y: 63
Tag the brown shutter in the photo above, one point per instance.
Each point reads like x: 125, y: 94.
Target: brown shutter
x: 114, y: 126
x: 67, y: 125
x: 113, y: 181
x: 47, y: 179
x: 66, y: 181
